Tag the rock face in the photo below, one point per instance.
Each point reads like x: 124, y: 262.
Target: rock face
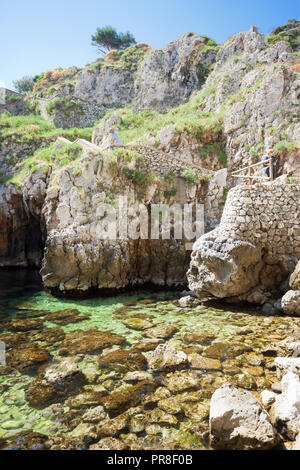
x: 262, y: 88
x: 155, y: 79
x: 79, y: 253
x: 111, y: 87
x: 238, y: 421
x: 255, y: 247
x: 168, y: 75
x: 21, y: 231
x: 12, y: 102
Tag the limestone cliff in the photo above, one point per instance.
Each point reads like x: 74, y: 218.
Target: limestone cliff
x: 189, y: 114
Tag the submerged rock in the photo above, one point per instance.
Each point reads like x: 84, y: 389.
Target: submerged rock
x: 238, y: 421
x: 147, y: 345
x: 25, y: 325
x: 64, y: 317
x: 109, y: 443
x: 165, y: 357
x: 87, y: 399
x: 178, y: 382
x: 137, y: 323
x: 54, y: 384
x: 120, y: 401
x: 113, y: 427
x: 203, y: 338
x: 28, y: 359
x: 88, y: 341
x: 12, y: 339
x: 48, y: 335
x: 26, y: 440
x: 123, y: 361
x: 225, y: 351
x: 95, y: 415
x: 136, y: 376
x: 204, y: 363
x: 161, y: 331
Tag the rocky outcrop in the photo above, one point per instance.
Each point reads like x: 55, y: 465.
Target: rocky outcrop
x: 168, y: 75
x: 238, y: 421
x: 12, y: 102
x: 21, y: 230
x: 254, y: 87
x: 285, y: 411
x: 254, y: 249
x: 147, y: 78
x: 79, y: 256
x: 109, y: 88
x: 291, y: 300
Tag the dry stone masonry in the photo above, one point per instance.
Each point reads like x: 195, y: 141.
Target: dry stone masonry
x: 255, y: 248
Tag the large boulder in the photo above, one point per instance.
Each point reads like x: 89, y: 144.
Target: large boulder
x: 286, y: 409
x: 253, y: 250
x: 291, y: 302
x: 295, y: 278
x: 285, y: 365
x: 223, y: 267
x: 245, y: 41
x: 238, y: 421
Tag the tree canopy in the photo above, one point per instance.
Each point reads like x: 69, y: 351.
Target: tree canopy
x: 108, y: 38
x: 24, y: 84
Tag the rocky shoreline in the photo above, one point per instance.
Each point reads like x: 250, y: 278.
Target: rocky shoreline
x: 162, y: 373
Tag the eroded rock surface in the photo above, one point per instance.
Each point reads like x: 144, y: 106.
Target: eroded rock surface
x: 254, y: 249
x: 238, y: 421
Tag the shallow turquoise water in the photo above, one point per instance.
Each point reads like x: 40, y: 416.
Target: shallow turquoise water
x: 21, y: 292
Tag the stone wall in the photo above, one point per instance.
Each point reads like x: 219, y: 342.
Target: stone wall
x: 254, y: 249
x: 161, y: 163
x: 268, y: 215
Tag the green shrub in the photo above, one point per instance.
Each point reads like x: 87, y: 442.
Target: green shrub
x: 138, y: 177
x: 169, y: 176
x: 63, y: 104
x: 284, y: 146
x: 217, y: 148
x: 13, y: 98
x: 190, y: 176
x: 171, y: 192
x: 24, y: 84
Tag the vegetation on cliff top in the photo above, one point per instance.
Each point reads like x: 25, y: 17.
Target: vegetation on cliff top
x: 108, y: 38
x: 33, y: 129
x: 289, y: 32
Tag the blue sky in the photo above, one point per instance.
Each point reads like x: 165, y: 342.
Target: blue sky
x: 37, y: 35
